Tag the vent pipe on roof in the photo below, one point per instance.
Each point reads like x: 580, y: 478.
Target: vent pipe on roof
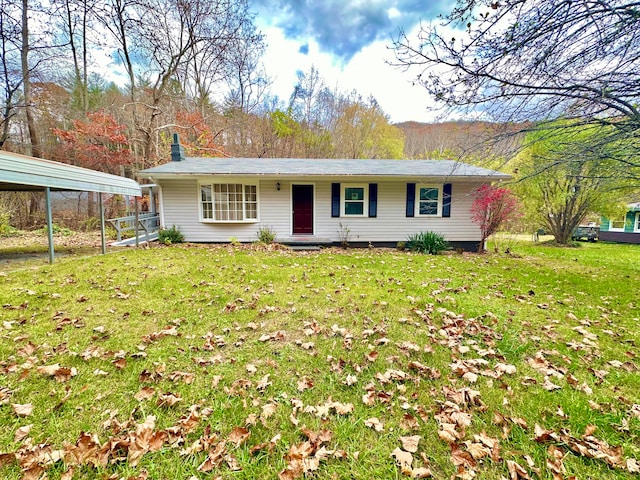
x: 177, y: 150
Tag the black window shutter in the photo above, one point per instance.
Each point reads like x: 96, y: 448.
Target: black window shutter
x: 373, y: 199
x: 446, y: 200
x: 335, y: 199
x: 411, y: 199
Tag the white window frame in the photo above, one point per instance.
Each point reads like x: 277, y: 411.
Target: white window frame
x: 617, y: 229
x: 438, y: 213
x: 344, y: 200
x: 636, y: 224
x: 245, y: 203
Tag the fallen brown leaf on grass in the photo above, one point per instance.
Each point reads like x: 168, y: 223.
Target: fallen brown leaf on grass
x: 22, y: 433
x: 22, y: 410
x: 305, y: 457
x: 403, y: 459
x: 168, y: 399
x: 61, y: 374
x: 268, y: 446
x: 421, y: 472
x: 144, y: 393
x: 238, y: 436
x: 5, y: 395
x: 516, y: 472
x: 375, y: 424
x: 214, y: 458
x: 462, y: 458
x: 410, y: 444
x: 588, y: 446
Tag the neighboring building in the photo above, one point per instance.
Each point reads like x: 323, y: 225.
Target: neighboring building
x: 625, y: 229
x: 318, y: 201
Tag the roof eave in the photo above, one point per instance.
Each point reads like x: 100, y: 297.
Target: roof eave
x: 167, y: 175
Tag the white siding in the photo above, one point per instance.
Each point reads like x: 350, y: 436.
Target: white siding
x: 180, y: 203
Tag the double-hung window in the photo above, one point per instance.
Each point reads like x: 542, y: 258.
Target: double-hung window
x: 425, y: 200
x: 636, y: 225
x: 354, y: 200
x: 429, y: 202
x: 228, y: 202
x: 617, y: 225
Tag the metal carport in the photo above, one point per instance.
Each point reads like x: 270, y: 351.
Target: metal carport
x: 23, y: 173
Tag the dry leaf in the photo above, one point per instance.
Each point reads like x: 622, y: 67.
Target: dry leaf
x: 168, y: 399
x: 268, y: 410
x: 460, y: 458
x: 68, y: 474
x: 22, y: 410
x: 350, y: 380
x: 410, y: 444
x: 477, y: 450
x: 516, y: 472
x: 61, y: 374
x: 239, y: 435
x: 403, y: 459
x: 304, y: 383
x: 374, y: 423
x: 409, y: 422
x: 22, y: 433
x: 144, y: 394
x: 421, y: 472
x: 549, y: 385
x: 470, y: 377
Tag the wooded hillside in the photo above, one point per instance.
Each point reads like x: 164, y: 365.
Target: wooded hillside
x: 475, y: 142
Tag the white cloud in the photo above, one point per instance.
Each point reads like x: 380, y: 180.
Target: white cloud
x: 393, y: 13
x: 367, y: 73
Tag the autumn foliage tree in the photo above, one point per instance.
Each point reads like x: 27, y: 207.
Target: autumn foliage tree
x: 492, y: 208
x: 196, y: 136
x: 98, y: 142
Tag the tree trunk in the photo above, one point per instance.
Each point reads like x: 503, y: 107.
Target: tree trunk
x: 24, y: 57
x: 91, y: 204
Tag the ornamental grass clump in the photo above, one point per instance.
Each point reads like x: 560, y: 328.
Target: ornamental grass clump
x: 168, y: 236
x: 266, y: 235
x: 427, y: 242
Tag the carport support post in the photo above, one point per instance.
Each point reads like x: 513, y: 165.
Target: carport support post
x: 102, y: 229
x: 47, y: 202
x: 136, y: 221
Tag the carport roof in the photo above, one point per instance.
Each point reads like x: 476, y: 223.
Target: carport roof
x: 23, y: 173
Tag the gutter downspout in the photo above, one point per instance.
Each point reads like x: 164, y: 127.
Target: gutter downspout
x: 160, y: 201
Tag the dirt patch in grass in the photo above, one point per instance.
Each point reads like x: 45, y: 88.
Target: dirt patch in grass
x: 25, y: 247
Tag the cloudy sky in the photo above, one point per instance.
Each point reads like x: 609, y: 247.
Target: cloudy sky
x: 348, y: 42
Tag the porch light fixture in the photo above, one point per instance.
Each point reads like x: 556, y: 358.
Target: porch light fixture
x: 278, y: 186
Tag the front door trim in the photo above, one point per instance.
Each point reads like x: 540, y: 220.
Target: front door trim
x: 313, y: 209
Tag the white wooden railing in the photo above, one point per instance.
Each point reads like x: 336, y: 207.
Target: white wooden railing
x: 147, y: 223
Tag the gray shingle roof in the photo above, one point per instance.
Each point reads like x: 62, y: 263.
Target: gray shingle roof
x: 321, y: 167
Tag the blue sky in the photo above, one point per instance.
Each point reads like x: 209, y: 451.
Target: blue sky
x: 348, y: 42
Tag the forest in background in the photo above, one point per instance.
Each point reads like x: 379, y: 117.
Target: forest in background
x: 192, y: 68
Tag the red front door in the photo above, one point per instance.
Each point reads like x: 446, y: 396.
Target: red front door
x: 302, y: 203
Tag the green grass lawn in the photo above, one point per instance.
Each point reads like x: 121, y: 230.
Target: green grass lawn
x: 191, y: 362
